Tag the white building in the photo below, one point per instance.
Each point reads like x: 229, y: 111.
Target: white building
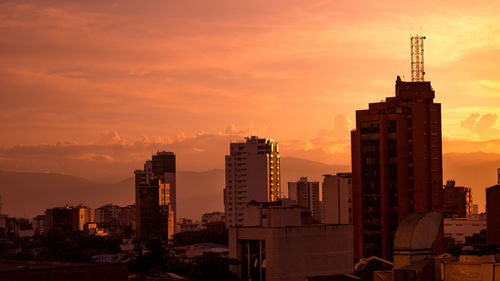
x: 252, y: 173
x: 459, y: 228
x: 306, y: 194
x: 280, y: 243
x: 337, y: 194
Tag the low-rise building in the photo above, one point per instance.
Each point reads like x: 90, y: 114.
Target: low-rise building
x: 68, y: 218
x: 278, y: 241
x: 459, y: 228
x: 184, y: 225
x: 215, y: 221
x: 472, y: 266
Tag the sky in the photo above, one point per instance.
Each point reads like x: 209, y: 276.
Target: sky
x: 118, y: 80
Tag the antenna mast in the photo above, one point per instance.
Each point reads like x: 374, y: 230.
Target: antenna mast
x: 417, y: 58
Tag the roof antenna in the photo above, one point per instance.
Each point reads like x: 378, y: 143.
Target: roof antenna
x: 417, y: 57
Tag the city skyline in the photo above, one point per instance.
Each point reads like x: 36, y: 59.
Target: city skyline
x: 214, y: 76
x: 249, y: 141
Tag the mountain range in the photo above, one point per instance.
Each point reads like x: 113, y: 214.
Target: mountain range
x: 27, y: 194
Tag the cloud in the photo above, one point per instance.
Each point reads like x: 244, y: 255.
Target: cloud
x: 482, y: 126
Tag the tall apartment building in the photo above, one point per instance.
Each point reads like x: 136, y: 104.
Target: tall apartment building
x: 457, y: 200
x: 306, y: 194
x: 337, y: 196
x: 252, y: 173
x: 396, y: 165
x: 155, y: 196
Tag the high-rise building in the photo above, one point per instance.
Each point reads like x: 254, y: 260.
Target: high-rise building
x: 396, y: 165
x: 493, y: 214
x: 155, y: 188
x: 337, y: 195
x: 252, y: 173
x: 306, y: 194
x: 457, y: 200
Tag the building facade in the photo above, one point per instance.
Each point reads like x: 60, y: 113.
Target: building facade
x: 306, y: 194
x: 459, y: 228
x: 252, y: 173
x: 337, y: 198
x: 278, y: 243
x: 396, y: 165
x: 155, y: 195
x: 457, y: 200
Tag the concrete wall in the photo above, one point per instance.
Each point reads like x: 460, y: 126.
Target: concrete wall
x: 470, y: 272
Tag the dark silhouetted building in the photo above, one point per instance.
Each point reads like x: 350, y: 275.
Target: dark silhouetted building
x: 306, y: 194
x: 155, y: 197
x: 68, y: 218
x: 396, y: 165
x: 493, y: 214
x: 457, y: 200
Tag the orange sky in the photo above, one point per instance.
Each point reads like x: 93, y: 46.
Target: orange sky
x: 88, y: 74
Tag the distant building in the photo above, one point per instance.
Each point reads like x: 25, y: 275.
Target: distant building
x: 107, y: 213
x: 184, y: 225
x: 68, y: 218
x: 457, y: 200
x: 306, y: 194
x: 337, y: 206
x: 493, y: 214
x: 459, y: 228
x: 213, y: 221
x: 110, y: 213
x: 396, y: 166
x: 475, y: 209
x: 39, y: 225
x: 278, y: 241
x: 127, y: 216
x: 252, y: 173
x: 155, y: 195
